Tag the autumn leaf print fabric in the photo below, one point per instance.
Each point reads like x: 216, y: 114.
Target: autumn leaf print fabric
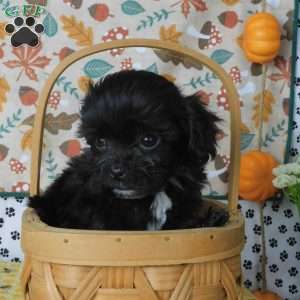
x: 212, y: 27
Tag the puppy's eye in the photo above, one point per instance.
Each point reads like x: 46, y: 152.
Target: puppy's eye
x: 149, y: 141
x: 100, y: 144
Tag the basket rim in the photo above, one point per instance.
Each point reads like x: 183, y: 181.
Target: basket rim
x: 130, y: 248
x: 32, y: 222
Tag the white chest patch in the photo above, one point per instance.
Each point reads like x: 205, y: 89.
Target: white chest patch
x: 159, y: 208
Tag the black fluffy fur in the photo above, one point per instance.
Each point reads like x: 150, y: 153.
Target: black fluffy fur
x: 122, y: 109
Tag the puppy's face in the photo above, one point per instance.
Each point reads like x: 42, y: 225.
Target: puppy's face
x: 138, y: 127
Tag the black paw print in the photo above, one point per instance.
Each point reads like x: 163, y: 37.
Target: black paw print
x: 298, y: 111
x: 275, y: 206
x: 288, y: 213
x: 282, y: 229
x: 20, y: 199
x: 283, y: 255
x: 293, y: 271
x: 298, y: 139
x: 10, y: 211
x: 256, y: 248
x: 293, y: 289
x: 249, y: 213
x: 278, y: 283
x: 247, y: 264
x: 294, y: 152
x: 15, y: 235
x: 258, y: 276
x: 297, y: 256
x: 0, y: 240
x: 4, y: 252
x: 273, y: 243
x: 16, y: 259
x: 291, y: 241
x: 297, y: 227
x: 294, y: 125
x: 267, y: 220
x: 273, y: 268
x: 1, y: 222
x: 257, y: 229
x: 247, y: 283
x: 24, y: 34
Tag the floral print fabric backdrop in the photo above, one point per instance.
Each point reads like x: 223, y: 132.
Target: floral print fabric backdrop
x: 212, y: 27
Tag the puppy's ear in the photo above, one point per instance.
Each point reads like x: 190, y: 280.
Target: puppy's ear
x: 202, y: 130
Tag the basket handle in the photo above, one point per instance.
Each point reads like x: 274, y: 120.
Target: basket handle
x: 37, y: 140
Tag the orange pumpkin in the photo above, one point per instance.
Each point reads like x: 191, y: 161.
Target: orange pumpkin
x: 256, y: 176
x: 261, y: 38
x: 266, y: 295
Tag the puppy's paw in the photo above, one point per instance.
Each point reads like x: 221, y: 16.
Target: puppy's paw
x: 216, y: 217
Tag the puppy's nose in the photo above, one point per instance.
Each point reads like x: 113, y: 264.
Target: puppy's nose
x: 117, y: 172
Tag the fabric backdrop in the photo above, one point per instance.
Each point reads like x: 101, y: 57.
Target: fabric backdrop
x: 213, y: 27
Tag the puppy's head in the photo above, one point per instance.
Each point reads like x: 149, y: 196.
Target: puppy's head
x: 143, y: 134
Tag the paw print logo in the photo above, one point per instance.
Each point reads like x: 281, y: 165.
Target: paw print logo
x: 273, y: 243
x: 298, y: 111
x: 4, y: 252
x: 291, y: 241
x: 283, y: 255
x: 297, y: 256
x: 0, y: 240
x: 256, y: 248
x: 293, y: 289
x: 247, y: 283
x: 288, y: 213
x: 273, y: 268
x: 249, y: 213
x: 15, y: 235
x: 247, y: 264
x: 293, y: 271
x: 1, y: 222
x: 297, y: 227
x: 24, y: 32
x: 10, y: 211
x: 267, y: 220
x: 278, y: 283
x: 257, y: 229
x: 282, y: 229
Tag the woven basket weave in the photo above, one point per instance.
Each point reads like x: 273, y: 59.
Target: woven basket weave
x: 118, y: 265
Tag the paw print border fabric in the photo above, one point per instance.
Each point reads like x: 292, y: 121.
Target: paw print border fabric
x: 281, y: 224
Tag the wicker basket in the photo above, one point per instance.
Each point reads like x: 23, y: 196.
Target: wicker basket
x: 112, y: 265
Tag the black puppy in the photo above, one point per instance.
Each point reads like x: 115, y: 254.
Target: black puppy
x: 144, y: 168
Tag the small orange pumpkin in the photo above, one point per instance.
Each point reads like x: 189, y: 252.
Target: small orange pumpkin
x: 256, y: 176
x: 261, y: 38
x: 266, y: 295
